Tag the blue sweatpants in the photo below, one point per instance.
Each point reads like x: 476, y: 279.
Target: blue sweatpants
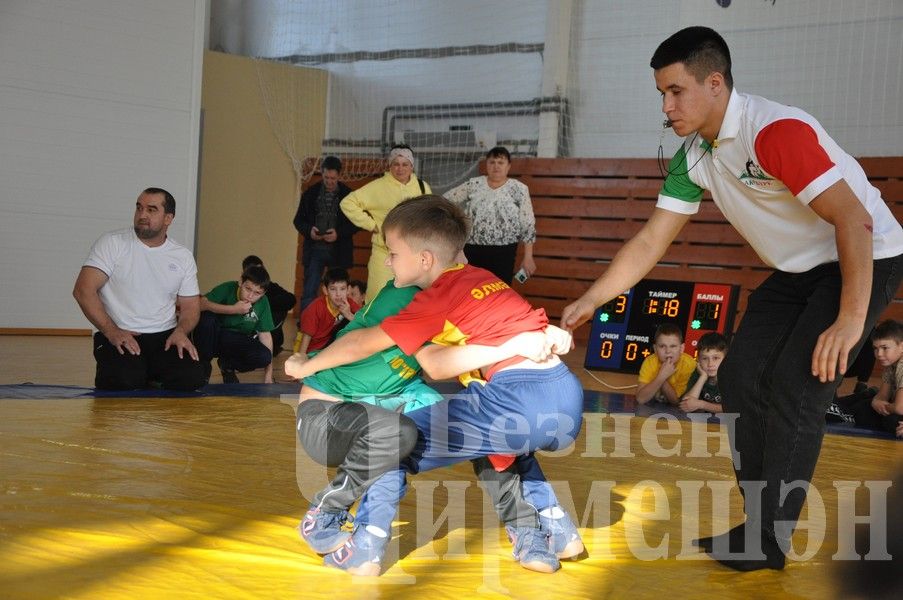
x: 517, y: 412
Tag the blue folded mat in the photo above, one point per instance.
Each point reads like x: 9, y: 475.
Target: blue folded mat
x: 593, y: 401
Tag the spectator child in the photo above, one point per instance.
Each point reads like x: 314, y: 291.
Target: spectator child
x: 885, y: 410
x: 281, y: 301
x: 327, y: 314
x: 665, y: 373
x: 235, y: 326
x: 702, y: 388
x: 357, y: 291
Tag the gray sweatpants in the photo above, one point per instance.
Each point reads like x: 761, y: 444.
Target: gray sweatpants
x: 364, y: 441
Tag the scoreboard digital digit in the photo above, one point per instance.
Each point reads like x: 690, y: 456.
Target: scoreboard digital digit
x: 623, y: 328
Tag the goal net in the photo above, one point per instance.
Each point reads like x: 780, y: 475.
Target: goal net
x: 558, y: 78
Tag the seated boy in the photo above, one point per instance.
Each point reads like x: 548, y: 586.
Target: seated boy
x: 665, y: 373
x: 323, y: 317
x: 364, y: 442
x: 885, y: 410
x: 702, y: 388
x: 357, y: 291
x: 523, y: 405
x: 281, y: 301
x: 235, y: 326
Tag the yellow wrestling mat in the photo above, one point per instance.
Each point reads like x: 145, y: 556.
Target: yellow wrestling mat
x: 199, y: 498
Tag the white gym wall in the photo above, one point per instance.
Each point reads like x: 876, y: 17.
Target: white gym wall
x: 98, y: 100
x: 837, y: 59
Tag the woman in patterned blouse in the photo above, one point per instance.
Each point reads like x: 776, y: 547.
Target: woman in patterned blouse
x: 502, y: 216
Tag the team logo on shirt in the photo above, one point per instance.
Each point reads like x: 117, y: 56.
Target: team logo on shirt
x: 404, y: 371
x: 490, y: 288
x: 755, y: 177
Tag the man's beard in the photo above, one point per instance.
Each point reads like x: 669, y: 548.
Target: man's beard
x: 146, y: 233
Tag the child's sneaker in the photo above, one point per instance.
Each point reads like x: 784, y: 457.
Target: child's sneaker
x: 322, y: 530
x: 531, y: 549
x: 228, y: 373
x: 564, y: 539
x: 362, y: 554
x: 835, y: 414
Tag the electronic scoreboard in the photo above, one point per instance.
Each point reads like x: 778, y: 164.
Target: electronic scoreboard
x: 623, y: 328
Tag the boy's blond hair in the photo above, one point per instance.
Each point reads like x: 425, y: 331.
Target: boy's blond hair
x: 430, y: 222
x: 668, y: 329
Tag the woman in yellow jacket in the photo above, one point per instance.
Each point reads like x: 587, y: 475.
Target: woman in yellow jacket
x: 367, y: 208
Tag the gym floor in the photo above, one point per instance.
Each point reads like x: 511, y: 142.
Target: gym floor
x: 142, y: 497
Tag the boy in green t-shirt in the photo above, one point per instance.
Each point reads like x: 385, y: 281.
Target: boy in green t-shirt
x: 235, y: 326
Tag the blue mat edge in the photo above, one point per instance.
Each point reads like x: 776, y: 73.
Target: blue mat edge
x: 593, y: 401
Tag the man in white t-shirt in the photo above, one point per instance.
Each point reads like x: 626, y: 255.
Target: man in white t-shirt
x: 807, y: 209
x: 128, y: 289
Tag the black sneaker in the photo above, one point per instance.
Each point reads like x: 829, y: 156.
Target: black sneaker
x: 229, y: 375
x: 835, y: 415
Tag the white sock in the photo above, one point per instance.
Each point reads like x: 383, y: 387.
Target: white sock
x: 377, y: 531
x: 553, y: 512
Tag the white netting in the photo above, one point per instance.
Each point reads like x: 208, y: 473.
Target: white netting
x: 281, y: 98
x: 454, y: 78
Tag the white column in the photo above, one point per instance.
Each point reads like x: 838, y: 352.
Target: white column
x: 554, y: 71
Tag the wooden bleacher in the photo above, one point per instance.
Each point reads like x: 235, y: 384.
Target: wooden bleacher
x: 585, y: 210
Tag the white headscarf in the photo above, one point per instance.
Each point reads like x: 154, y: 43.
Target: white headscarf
x: 405, y: 153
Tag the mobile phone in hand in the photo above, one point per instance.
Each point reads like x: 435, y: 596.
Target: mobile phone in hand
x: 521, y: 276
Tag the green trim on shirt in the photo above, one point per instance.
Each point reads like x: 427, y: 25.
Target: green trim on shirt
x: 678, y: 183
